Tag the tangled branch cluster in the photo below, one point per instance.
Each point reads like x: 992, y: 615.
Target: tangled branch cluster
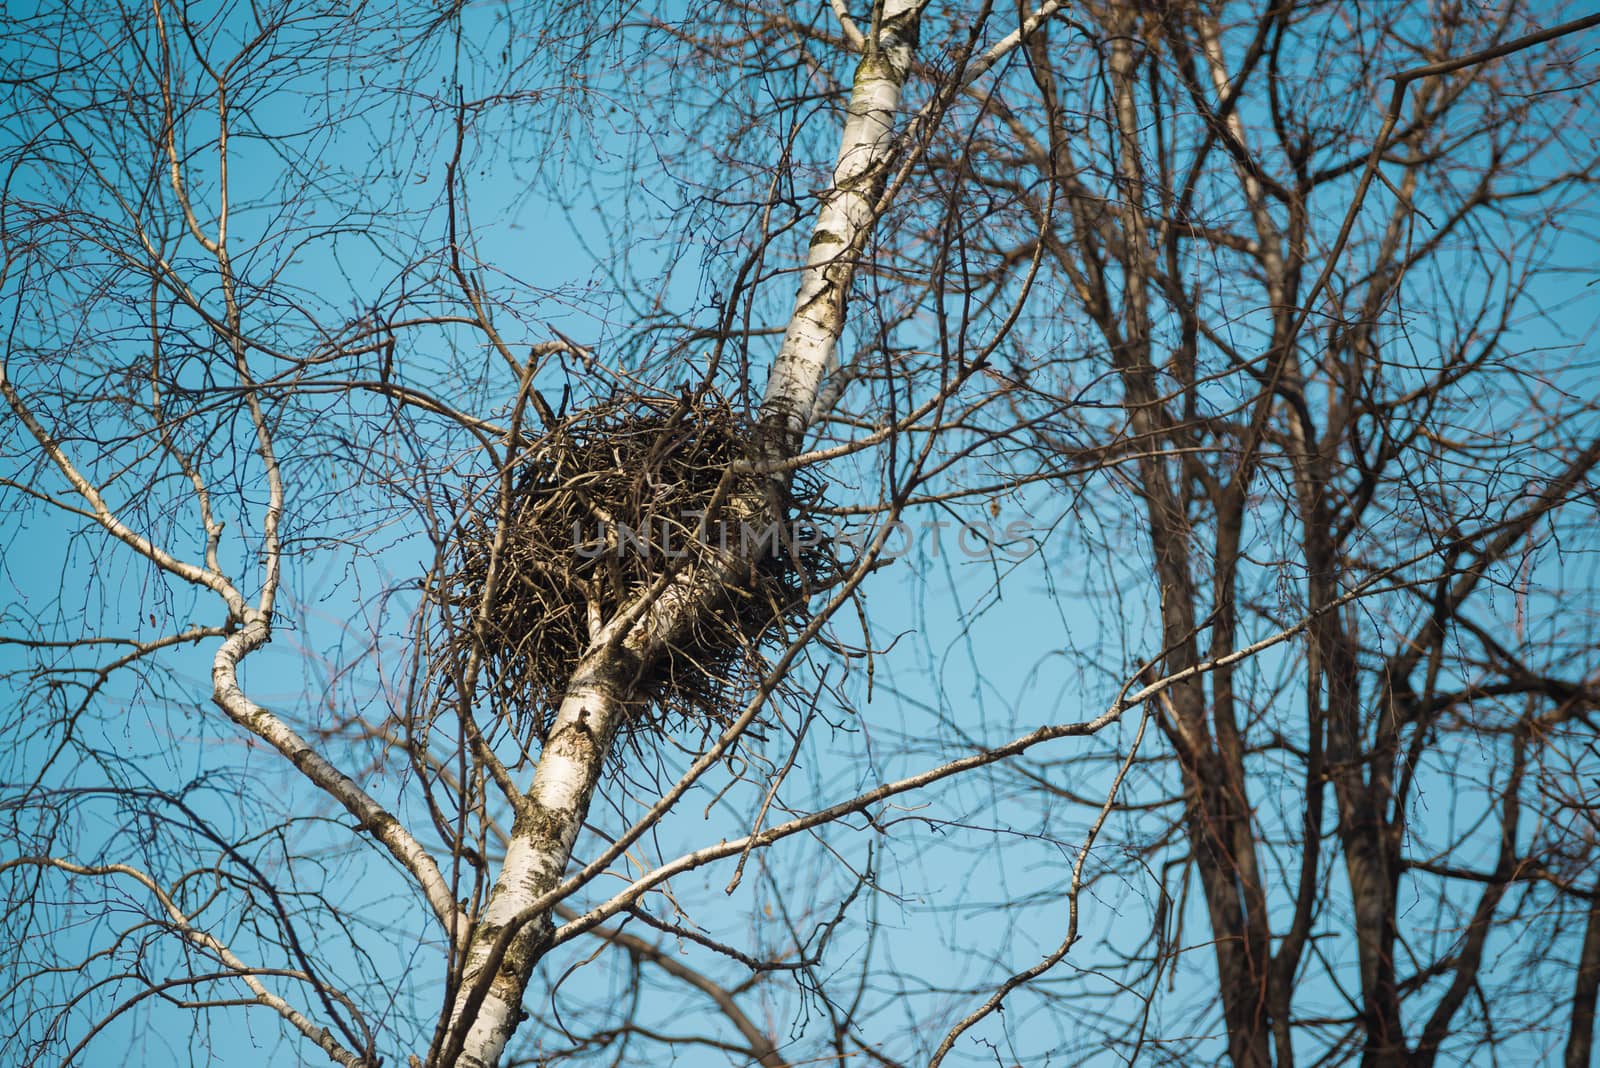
x: 595, y: 514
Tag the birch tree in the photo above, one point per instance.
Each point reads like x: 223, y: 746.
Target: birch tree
x: 229, y: 348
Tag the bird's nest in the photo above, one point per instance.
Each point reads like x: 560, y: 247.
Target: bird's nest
x: 594, y: 515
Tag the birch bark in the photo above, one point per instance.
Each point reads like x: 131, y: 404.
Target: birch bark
x: 843, y: 225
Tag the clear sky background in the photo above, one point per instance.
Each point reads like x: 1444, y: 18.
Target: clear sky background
x: 566, y: 217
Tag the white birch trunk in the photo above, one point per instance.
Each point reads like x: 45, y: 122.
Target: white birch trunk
x: 581, y: 734
x: 541, y: 844
x: 842, y: 226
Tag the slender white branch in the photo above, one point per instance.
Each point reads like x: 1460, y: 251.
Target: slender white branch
x: 852, y: 32
x: 1003, y: 47
x: 103, y: 513
x: 321, y: 1036
x: 226, y: 690
x: 373, y: 817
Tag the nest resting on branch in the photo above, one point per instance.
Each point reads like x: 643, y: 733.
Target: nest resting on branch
x: 592, y: 516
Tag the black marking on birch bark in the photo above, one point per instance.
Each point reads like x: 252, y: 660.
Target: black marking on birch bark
x: 827, y: 293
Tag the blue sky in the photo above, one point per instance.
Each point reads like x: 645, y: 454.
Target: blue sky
x: 969, y: 664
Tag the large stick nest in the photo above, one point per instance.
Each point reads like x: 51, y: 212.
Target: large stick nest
x: 593, y: 515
